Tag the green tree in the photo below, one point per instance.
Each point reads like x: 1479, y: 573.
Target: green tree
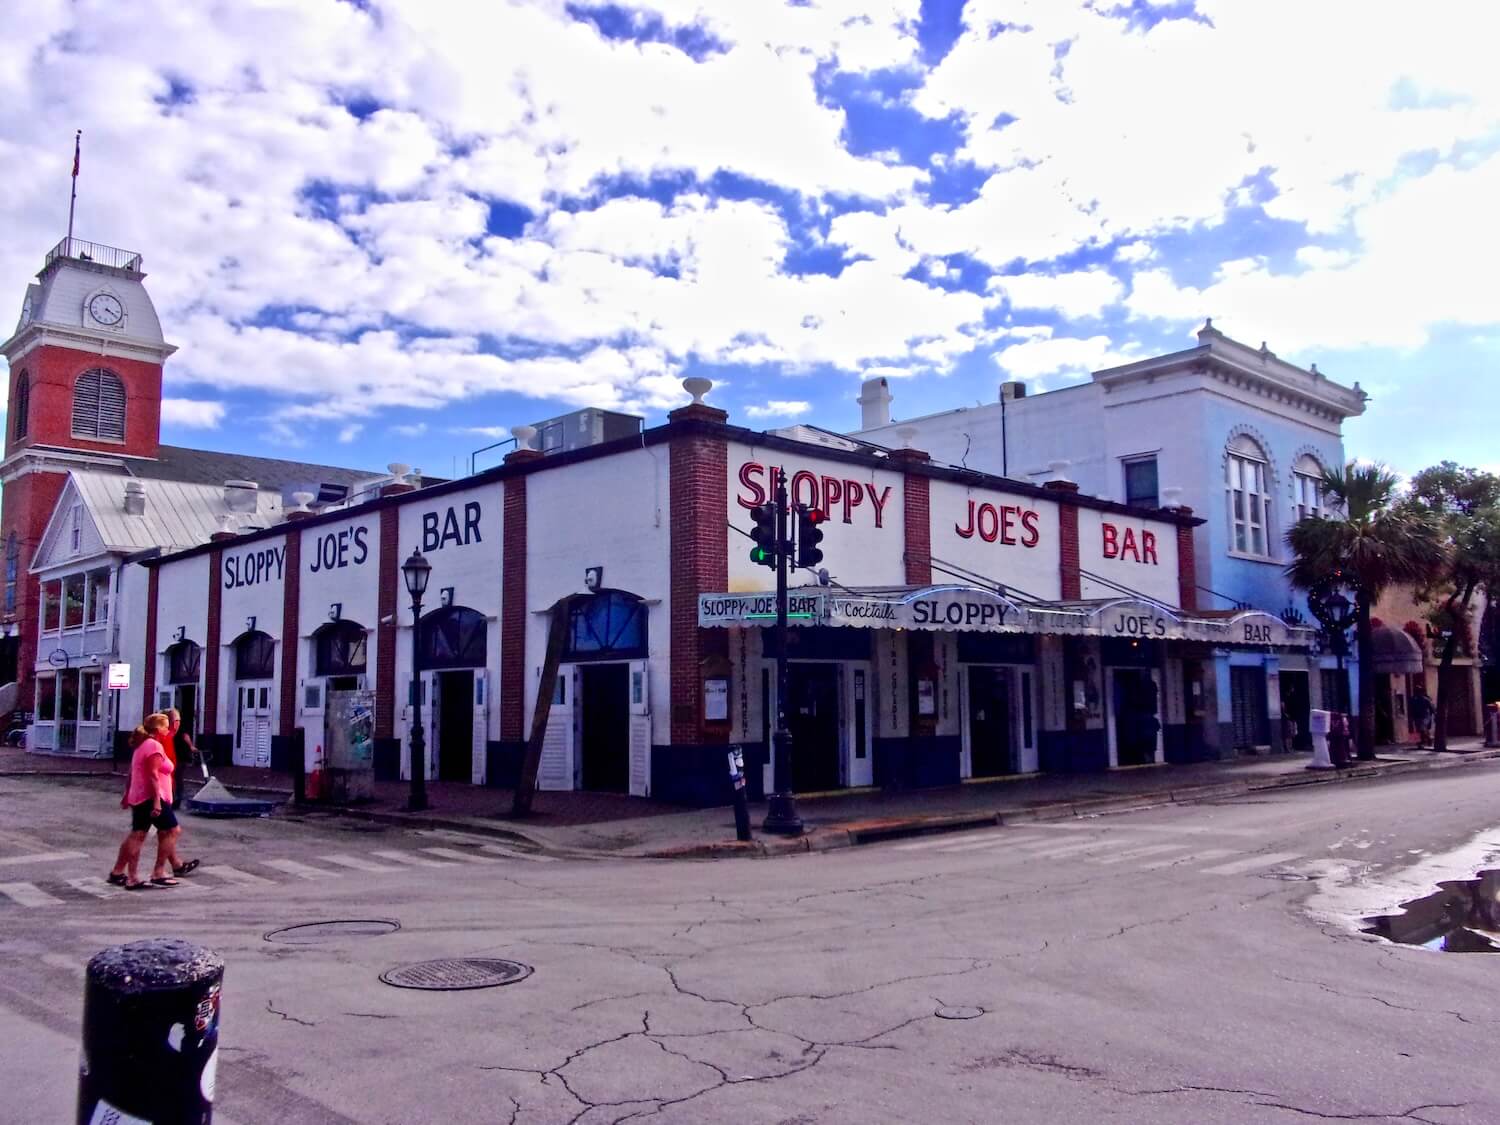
x: 1371, y: 542
x: 1465, y: 505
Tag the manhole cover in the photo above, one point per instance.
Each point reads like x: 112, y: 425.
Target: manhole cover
x: 452, y: 973
x: 958, y: 1012
x: 310, y: 933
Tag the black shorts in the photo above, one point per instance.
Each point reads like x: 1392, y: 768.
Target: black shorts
x: 142, y: 819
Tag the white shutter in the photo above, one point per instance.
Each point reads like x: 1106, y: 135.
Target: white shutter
x: 244, y: 745
x: 481, y: 725
x: 640, y: 755
x: 263, y: 741
x: 434, y: 722
x: 556, y: 768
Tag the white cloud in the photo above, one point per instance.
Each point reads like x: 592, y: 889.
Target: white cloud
x: 348, y: 433
x: 198, y: 414
x: 410, y: 429
x: 779, y: 408
x: 1061, y: 355
x: 496, y: 432
x: 1081, y: 293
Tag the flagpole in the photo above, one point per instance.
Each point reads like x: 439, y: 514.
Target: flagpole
x: 73, y: 199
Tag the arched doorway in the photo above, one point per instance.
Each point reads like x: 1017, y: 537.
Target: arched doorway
x: 184, y: 660
x: 606, y: 652
x: 452, y: 647
x: 254, y: 656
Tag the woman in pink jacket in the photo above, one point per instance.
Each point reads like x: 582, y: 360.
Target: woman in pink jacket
x: 149, y: 799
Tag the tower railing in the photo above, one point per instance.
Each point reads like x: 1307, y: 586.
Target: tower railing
x: 96, y: 252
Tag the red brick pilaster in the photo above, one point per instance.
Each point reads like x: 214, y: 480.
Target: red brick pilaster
x: 1067, y: 533
x: 388, y: 568
x: 1187, y: 565
x: 918, y: 521
x: 513, y: 604
x: 208, y: 711
x: 699, y: 550
x: 291, y: 645
x: 148, y: 673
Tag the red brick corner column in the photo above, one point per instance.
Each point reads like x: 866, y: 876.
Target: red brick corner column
x: 1187, y: 564
x: 917, y: 518
x: 513, y: 602
x: 291, y: 647
x: 1071, y: 581
x: 208, y: 710
x: 699, y: 551
x: 148, y: 674
x: 389, y: 579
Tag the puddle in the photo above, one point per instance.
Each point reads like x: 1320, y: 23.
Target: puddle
x: 1461, y: 916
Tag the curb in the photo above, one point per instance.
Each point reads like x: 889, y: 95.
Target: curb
x: 871, y: 832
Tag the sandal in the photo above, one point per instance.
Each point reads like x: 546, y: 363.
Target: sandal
x: 187, y: 868
x: 166, y: 882
x: 116, y: 880
x: 141, y: 886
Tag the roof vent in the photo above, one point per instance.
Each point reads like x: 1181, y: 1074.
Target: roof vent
x: 1012, y: 389
x: 874, y: 403
x: 135, y: 498
x: 241, y: 495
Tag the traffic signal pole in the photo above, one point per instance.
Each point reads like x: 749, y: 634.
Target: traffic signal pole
x: 781, y: 806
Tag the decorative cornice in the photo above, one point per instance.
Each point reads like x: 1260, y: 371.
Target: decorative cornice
x: 42, y: 334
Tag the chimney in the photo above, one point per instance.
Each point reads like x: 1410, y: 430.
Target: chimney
x: 301, y: 511
x: 398, y: 482
x: 135, y: 498
x: 1012, y: 390
x: 874, y: 403
x: 241, y: 496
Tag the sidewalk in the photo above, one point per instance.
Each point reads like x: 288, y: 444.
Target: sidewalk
x: 601, y: 824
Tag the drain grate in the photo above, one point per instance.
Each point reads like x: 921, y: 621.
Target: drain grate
x: 448, y: 974
x: 310, y: 933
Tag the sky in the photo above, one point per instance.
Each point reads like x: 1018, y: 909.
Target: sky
x: 389, y: 231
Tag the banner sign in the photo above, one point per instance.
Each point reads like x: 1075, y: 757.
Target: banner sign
x: 951, y: 610
x: 759, y: 609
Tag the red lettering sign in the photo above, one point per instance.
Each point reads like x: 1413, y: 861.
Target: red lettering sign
x: 757, y: 485
x: 1111, y: 541
x: 1137, y: 548
x: 994, y: 524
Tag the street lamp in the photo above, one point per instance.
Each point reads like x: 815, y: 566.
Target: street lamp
x: 415, y: 571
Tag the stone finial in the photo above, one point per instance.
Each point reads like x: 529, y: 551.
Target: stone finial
x: 1314, y: 369
x: 907, y: 434
x: 1208, y: 331
x: 1171, y: 497
x: 525, y: 437
x: 226, y: 528
x: 301, y: 511
x: 1057, y: 477
x: 697, y: 386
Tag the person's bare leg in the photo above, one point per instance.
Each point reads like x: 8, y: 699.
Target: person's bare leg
x: 164, y: 842
x: 128, y: 859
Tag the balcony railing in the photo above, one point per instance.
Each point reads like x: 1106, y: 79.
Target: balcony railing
x: 97, y: 252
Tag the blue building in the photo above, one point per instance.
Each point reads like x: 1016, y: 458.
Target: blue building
x: 1235, y: 434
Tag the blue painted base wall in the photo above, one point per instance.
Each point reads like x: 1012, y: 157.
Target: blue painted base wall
x: 699, y: 775
x: 502, y: 764
x: 917, y: 762
x: 1066, y: 751
x: 387, y: 759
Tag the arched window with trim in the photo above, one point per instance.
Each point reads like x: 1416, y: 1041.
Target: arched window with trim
x: 1307, y: 487
x: 254, y: 656
x: 611, y: 625
x: 452, y: 637
x: 339, y: 649
x: 20, y: 406
x: 99, y: 405
x: 183, y: 661
x: 1247, y: 492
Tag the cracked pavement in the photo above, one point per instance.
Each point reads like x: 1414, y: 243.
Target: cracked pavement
x: 875, y: 984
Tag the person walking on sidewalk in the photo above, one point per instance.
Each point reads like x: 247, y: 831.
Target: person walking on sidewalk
x: 149, y: 799
x: 1419, y: 708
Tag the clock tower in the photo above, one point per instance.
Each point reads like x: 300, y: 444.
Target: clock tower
x: 85, y: 392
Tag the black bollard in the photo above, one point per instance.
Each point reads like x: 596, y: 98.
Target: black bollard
x: 150, y: 1034
x: 741, y: 808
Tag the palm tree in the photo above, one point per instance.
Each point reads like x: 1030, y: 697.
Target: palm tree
x: 1372, y: 542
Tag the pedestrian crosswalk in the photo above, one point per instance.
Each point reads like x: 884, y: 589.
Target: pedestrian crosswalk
x: 1122, y: 851
x: 57, y: 883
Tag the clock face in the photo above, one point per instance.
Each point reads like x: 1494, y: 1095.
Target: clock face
x: 106, y: 309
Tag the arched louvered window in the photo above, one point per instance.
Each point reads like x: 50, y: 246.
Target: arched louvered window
x: 99, y: 405
x: 20, y: 405
x: 339, y: 649
x: 254, y: 656
x: 452, y: 637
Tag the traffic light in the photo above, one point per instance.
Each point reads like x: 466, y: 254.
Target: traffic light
x: 764, y: 535
x: 809, y: 535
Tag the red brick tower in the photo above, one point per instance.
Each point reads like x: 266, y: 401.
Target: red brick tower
x: 85, y: 392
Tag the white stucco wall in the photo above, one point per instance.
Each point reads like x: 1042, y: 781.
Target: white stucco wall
x: 864, y: 537
x: 1144, y: 565
x: 1011, y: 539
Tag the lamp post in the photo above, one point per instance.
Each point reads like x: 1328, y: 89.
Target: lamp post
x: 415, y: 571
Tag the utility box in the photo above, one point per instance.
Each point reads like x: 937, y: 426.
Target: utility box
x: 349, y: 746
x: 583, y: 428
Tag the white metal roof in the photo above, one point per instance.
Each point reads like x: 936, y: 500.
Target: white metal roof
x: 177, y: 516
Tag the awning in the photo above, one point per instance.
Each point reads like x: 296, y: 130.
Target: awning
x: 1394, y: 651
x: 959, y: 608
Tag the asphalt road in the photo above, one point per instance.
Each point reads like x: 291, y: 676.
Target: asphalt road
x: 1167, y: 965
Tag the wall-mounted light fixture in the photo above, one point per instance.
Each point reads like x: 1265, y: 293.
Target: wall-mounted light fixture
x: 445, y: 595
x: 181, y: 634
x: 593, y: 578
x: 335, y: 610
x: 250, y: 624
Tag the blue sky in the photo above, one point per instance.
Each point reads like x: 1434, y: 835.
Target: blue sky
x: 390, y: 231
